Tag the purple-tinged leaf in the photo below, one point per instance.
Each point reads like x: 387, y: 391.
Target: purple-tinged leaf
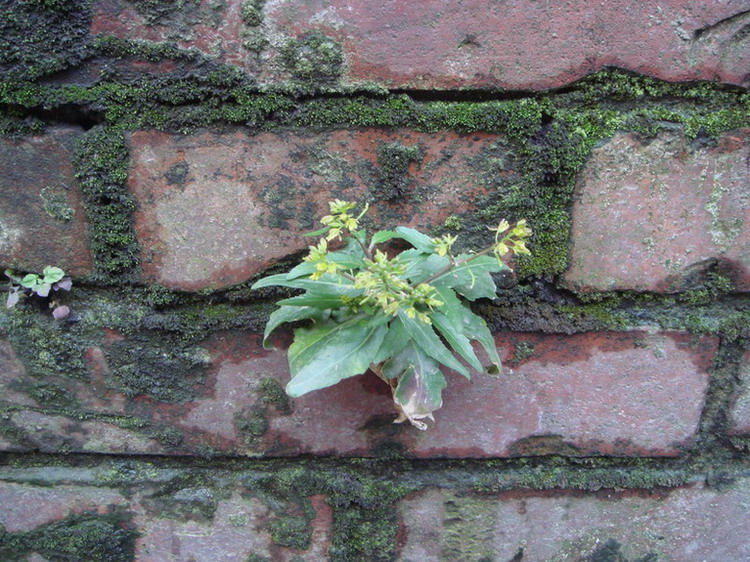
x: 13, y: 297
x: 43, y: 289
x: 61, y: 312
x: 65, y: 284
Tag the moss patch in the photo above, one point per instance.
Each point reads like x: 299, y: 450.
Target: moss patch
x: 88, y: 536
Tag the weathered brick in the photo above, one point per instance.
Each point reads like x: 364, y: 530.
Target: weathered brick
x: 615, y: 393
x: 740, y: 410
x: 658, y: 215
x: 26, y: 507
x: 176, y: 522
x: 695, y: 522
x: 41, y: 218
x: 216, y: 209
x: 431, y: 45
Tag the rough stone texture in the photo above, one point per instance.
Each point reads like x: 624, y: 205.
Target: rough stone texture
x: 216, y: 209
x: 175, y: 522
x: 740, y: 412
x: 41, y: 218
x: 617, y: 393
x: 690, y: 523
x: 655, y: 216
x: 482, y: 43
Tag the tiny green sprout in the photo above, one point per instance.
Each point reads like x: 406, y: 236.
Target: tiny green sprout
x: 40, y: 285
x: 404, y: 317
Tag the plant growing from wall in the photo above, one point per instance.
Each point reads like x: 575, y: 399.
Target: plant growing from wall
x: 52, y: 279
x: 402, y: 316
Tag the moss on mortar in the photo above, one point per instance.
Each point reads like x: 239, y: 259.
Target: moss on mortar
x: 88, y: 536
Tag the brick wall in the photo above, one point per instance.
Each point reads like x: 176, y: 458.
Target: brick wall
x: 167, y: 155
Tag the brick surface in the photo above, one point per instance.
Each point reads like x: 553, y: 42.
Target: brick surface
x: 693, y: 523
x: 433, y: 45
x: 616, y: 393
x: 215, y: 209
x: 174, y: 521
x: 41, y: 218
x: 740, y: 411
x: 651, y: 216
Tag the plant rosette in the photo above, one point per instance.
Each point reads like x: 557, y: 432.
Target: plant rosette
x: 52, y: 279
x: 403, y: 317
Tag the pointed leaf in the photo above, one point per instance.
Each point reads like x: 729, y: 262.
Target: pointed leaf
x: 427, y: 339
x: 393, y: 343
x: 299, y: 270
x: 477, y: 330
x: 420, y: 241
x: 456, y: 339
x: 472, y: 279
x: 329, y: 352
x: 328, y: 284
x: 319, y: 232
x: 320, y: 301
x: 382, y: 236
x: 287, y: 314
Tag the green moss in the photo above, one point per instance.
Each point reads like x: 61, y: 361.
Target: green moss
x: 291, y: 532
x: 313, y: 60
x: 254, y: 423
x: 272, y: 393
x: 40, y: 37
x: 102, y: 163
x: 251, y: 12
x: 163, y: 368
x: 88, y: 536
x: 394, y: 160
x: 46, y: 347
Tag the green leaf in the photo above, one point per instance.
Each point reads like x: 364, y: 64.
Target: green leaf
x: 429, y: 267
x: 30, y: 281
x: 300, y: 270
x: 287, y: 314
x: 382, y: 236
x: 456, y: 339
x: 52, y: 274
x: 427, y: 339
x: 319, y: 232
x: 314, y: 299
x: 329, y: 284
x: 420, y: 241
x: 393, y: 343
x: 329, y: 352
x: 472, y: 279
x: 477, y: 329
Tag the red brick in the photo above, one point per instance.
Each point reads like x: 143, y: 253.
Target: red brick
x: 240, y: 203
x: 739, y: 414
x: 693, y: 523
x: 434, y: 45
x: 41, y: 218
x: 649, y: 216
x: 616, y: 393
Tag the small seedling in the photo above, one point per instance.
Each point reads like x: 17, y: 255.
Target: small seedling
x: 32, y: 284
x: 402, y: 317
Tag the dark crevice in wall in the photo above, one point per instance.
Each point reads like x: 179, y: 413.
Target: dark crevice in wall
x: 66, y: 114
